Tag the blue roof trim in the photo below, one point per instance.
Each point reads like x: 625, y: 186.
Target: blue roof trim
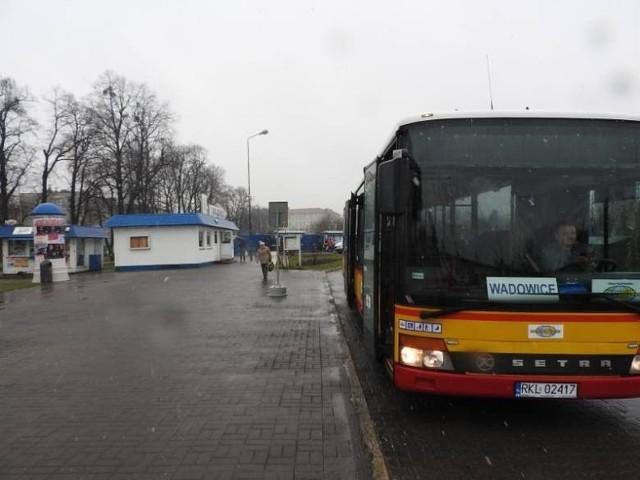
x: 174, y: 266
x: 169, y: 219
x: 6, y: 231
x: 75, y: 231
x: 79, y: 231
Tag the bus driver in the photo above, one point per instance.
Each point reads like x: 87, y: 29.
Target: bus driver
x: 559, y: 253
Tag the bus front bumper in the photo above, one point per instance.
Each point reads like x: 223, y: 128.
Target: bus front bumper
x: 504, y: 386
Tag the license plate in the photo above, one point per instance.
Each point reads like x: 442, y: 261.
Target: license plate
x: 546, y: 390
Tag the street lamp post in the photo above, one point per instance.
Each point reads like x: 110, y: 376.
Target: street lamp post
x: 263, y: 132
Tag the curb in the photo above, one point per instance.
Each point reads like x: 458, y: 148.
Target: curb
x: 367, y: 430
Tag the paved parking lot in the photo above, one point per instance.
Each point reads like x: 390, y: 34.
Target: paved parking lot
x: 177, y: 374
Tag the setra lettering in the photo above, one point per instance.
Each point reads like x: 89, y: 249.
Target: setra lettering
x: 562, y: 363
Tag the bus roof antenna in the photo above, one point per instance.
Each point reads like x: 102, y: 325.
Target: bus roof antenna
x: 490, y: 90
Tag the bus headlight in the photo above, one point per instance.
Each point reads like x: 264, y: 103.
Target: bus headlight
x: 424, y: 352
x: 433, y: 359
x: 635, y: 365
x: 411, y: 356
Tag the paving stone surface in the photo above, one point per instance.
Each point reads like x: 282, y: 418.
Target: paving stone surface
x: 175, y: 374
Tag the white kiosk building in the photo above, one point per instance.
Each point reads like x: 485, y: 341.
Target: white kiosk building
x: 171, y: 240
x: 84, y: 248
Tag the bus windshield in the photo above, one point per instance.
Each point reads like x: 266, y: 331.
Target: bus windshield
x: 523, y: 210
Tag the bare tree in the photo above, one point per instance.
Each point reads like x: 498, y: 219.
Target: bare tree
x: 169, y: 180
x: 58, y: 145
x: 193, y: 171
x: 15, y: 154
x: 81, y: 135
x: 133, y: 132
x: 213, y: 185
x: 149, y: 135
x: 120, y: 154
x: 111, y: 104
x: 235, y: 202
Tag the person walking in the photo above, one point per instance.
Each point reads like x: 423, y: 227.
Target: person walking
x: 243, y: 250
x: 263, y: 255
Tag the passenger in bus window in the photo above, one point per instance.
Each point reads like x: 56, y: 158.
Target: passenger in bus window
x: 560, y: 252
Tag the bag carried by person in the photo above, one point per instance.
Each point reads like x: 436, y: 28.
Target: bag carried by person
x: 271, y: 266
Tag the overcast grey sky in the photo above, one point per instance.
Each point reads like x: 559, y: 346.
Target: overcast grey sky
x: 331, y: 78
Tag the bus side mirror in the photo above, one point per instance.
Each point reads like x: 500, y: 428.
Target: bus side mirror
x: 394, y: 184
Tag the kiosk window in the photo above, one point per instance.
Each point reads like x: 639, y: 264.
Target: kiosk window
x: 137, y: 243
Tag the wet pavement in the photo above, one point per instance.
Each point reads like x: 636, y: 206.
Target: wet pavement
x: 176, y: 374
x: 198, y: 374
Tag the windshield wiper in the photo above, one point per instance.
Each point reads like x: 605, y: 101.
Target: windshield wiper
x: 628, y: 306
x: 445, y: 311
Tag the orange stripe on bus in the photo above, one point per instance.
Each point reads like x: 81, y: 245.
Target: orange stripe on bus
x: 495, y: 316
x: 358, y: 280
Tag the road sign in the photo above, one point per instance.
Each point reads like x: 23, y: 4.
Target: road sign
x: 278, y: 214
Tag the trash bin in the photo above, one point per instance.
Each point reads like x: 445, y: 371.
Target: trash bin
x: 95, y: 263
x: 46, y: 271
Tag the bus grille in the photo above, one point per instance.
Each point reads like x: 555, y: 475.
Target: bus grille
x: 493, y: 363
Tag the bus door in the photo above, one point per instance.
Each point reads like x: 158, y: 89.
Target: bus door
x: 399, y: 198
x: 391, y: 244
x: 353, y: 251
x: 369, y: 267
